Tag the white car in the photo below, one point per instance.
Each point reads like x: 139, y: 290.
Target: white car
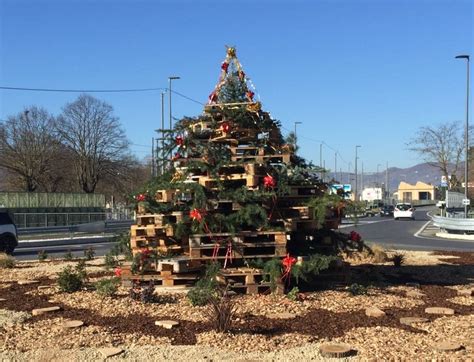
x: 8, y: 234
x: 403, y: 210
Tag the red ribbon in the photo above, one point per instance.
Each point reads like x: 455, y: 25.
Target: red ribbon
x: 269, y: 182
x: 213, y: 97
x: 225, y: 127
x: 250, y: 95
x: 140, y: 197
x: 118, y: 272
x: 228, y: 254
x: 179, y: 141
x: 287, y: 262
x: 224, y: 66
x: 196, y: 214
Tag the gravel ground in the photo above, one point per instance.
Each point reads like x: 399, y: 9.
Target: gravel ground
x: 260, y: 330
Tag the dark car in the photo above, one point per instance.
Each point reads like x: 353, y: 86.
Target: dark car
x: 8, y: 234
x: 387, y: 210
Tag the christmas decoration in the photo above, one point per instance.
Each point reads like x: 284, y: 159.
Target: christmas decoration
x: 269, y: 182
x: 225, y: 127
x: 179, y: 141
x: 118, y: 272
x: 287, y: 263
x: 140, y: 197
x: 195, y: 214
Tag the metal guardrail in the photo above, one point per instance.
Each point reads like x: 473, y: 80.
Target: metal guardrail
x: 95, y: 227
x: 453, y: 223
x: 47, y: 219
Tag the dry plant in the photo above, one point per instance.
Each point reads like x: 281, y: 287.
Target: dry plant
x: 7, y: 261
x: 221, y: 310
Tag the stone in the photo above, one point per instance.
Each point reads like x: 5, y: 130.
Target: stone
x: 28, y: 282
x: 41, y: 287
x: 374, y: 312
x: 284, y: 315
x: 410, y: 320
x: 447, y: 346
x: 40, y: 311
x: 110, y: 351
x: 73, y: 324
x: 466, y: 292
x: 3, y: 300
x: 336, y: 350
x: 414, y: 294
x: 439, y: 310
x: 167, y: 324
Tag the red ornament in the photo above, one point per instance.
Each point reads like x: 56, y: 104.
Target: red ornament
x: 225, y: 66
x: 269, y: 182
x: 225, y: 127
x: 355, y: 236
x: 118, y: 272
x: 288, y: 261
x: 241, y: 75
x: 250, y: 95
x: 213, y: 97
x: 195, y: 214
x: 179, y: 141
x: 140, y: 197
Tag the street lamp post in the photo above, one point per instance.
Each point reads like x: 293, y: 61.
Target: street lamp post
x: 163, y: 156
x: 466, y: 135
x: 296, y: 123
x: 169, y: 90
x: 378, y: 177
x: 355, y: 188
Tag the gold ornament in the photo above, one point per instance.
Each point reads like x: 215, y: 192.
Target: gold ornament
x: 254, y: 107
x: 231, y: 52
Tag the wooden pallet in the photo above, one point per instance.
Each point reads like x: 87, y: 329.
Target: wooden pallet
x: 283, y: 158
x: 151, y: 230
x: 153, y: 242
x: 160, y: 219
x: 159, y: 278
x: 237, y: 180
x: 165, y: 195
x: 243, y: 237
x: 247, y: 281
x: 246, y: 251
x: 300, y: 224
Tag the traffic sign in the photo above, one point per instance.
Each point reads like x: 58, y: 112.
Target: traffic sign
x: 466, y: 202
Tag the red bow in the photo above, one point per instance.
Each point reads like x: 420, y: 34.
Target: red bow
x: 224, y: 66
x: 287, y: 262
x: 269, y: 182
x: 355, y: 236
x: 250, y: 95
x: 179, y: 140
x: 195, y: 214
x: 225, y: 127
x: 140, y: 197
x: 118, y: 272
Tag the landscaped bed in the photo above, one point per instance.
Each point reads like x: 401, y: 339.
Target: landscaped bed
x: 263, y: 327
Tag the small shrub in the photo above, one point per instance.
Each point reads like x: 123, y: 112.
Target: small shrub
x: 7, y: 261
x: 107, y: 287
x: 358, y: 289
x: 143, y: 294
x: 122, y: 246
x: 81, y: 269
x: 221, y: 310
x: 398, y: 260
x: 68, y: 255
x: 70, y: 280
x: 110, y: 261
x: 378, y: 254
x: 293, y: 294
x: 89, y: 253
x: 42, y: 255
x: 205, y: 287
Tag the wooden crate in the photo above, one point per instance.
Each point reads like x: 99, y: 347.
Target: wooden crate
x: 236, y: 180
x: 164, y: 195
x: 158, y: 278
x: 300, y: 224
x: 247, y: 281
x: 160, y: 219
x: 151, y: 230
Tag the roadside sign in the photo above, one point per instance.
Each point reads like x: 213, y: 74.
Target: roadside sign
x: 466, y: 202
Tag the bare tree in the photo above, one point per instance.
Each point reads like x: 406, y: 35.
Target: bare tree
x: 90, y: 130
x: 28, y: 146
x: 442, y: 147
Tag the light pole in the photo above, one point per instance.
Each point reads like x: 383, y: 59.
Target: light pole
x: 466, y: 136
x: 296, y: 123
x: 378, y: 165
x: 163, y: 156
x: 355, y: 188
x: 169, y: 90
x: 321, y: 160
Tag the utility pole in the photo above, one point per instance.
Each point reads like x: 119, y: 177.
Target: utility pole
x: 362, y: 179
x: 321, y: 159
x: 335, y: 165
x: 162, y: 133
x: 355, y: 191
x: 153, y: 157
x: 387, y: 188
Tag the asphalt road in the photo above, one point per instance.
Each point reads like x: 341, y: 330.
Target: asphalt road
x: 380, y: 230
x: 401, y: 234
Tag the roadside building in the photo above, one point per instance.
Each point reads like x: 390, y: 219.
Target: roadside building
x: 419, y: 192
x: 373, y: 193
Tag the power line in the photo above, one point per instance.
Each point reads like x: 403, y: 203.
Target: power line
x: 82, y: 90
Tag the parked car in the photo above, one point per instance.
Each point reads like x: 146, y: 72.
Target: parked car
x: 404, y: 210
x: 387, y: 210
x: 8, y: 234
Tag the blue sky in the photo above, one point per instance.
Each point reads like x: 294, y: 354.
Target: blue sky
x: 354, y: 72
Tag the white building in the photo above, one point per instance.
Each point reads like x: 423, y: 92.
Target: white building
x: 372, y: 193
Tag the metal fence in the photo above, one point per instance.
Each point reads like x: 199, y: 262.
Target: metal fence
x: 32, y: 220
x: 16, y: 200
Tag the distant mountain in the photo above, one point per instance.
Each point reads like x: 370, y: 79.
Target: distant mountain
x: 422, y: 172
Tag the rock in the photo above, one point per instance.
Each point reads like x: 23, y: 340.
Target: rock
x: 335, y: 350
x: 167, y: 324
x: 41, y: 287
x: 447, y: 346
x: 284, y: 315
x: 414, y: 294
x: 439, y: 310
x: 410, y: 320
x: 73, y: 324
x: 374, y: 312
x: 466, y: 292
x: 27, y: 282
x: 110, y: 351
x: 40, y: 311
x: 3, y: 300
